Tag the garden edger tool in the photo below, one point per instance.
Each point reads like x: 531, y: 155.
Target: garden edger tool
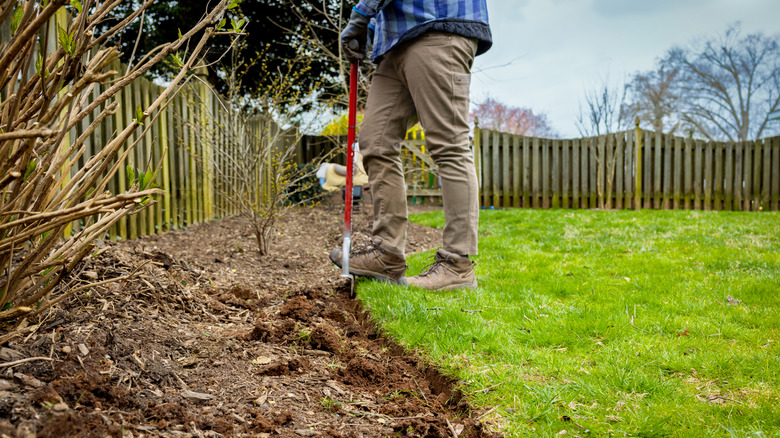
x: 351, y: 157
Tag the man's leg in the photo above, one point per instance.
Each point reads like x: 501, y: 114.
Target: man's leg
x: 384, y: 126
x: 437, y: 70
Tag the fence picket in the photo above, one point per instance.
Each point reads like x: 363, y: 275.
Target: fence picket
x: 584, y: 172
x: 139, y: 152
x: 545, y: 172
x: 757, y: 150
x: 697, y: 174
x: 593, y: 172
x: 775, y: 174
x: 565, y: 173
x: 647, y: 170
x: 739, y: 163
x: 717, y: 183
x: 628, y: 163
x: 747, y: 183
x: 505, y: 176
x: 668, y: 187
x: 555, y: 174
x: 575, y: 173
x: 687, y: 174
x: 486, y: 169
x: 728, y: 183
x: 129, y: 112
x: 620, y: 168
x: 198, y: 131
x: 516, y: 171
x: 113, y: 185
x: 657, y: 153
x: 496, y: 168
x: 187, y: 164
x: 536, y: 177
x: 708, y: 150
x: 150, y: 142
x: 526, y: 172
x: 678, y: 169
x: 766, y: 160
x: 172, y: 183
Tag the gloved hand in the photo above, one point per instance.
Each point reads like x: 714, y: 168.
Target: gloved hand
x: 356, y: 30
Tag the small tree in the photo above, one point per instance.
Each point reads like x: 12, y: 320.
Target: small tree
x: 254, y: 152
x: 495, y: 115
x: 600, y: 117
x: 655, y: 97
x: 46, y: 87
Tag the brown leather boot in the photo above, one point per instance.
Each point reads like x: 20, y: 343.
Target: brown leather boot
x: 448, y: 272
x: 373, y: 261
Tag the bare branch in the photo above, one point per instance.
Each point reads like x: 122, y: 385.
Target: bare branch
x: 729, y: 84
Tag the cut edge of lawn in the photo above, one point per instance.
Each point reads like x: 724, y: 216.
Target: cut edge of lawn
x: 450, y: 367
x: 444, y: 384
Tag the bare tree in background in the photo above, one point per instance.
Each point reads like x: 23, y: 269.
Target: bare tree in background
x: 603, y: 111
x: 602, y: 115
x: 495, y: 115
x: 655, y: 97
x: 731, y: 83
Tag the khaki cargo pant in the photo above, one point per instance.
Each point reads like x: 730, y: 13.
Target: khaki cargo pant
x: 426, y: 79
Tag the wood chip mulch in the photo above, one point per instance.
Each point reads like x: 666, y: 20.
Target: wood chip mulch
x: 212, y: 340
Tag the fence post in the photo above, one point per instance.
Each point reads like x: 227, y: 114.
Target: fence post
x: 638, y: 166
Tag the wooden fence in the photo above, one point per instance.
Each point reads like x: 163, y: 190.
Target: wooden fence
x: 631, y: 169
x: 178, y: 142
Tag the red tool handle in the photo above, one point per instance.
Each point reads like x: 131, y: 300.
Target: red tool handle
x: 347, y: 245
x: 352, y: 122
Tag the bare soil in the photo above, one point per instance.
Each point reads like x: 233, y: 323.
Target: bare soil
x: 212, y: 340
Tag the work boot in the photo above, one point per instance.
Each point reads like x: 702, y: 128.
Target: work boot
x: 373, y: 261
x: 448, y: 272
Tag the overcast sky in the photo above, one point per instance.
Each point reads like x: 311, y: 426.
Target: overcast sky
x: 557, y: 49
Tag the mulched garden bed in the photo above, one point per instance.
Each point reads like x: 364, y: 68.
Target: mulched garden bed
x: 212, y: 340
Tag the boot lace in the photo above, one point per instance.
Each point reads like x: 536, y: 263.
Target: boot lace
x: 366, y: 249
x: 433, y: 267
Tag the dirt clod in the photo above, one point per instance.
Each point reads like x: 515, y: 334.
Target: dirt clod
x: 298, y: 308
x: 324, y: 337
x: 361, y: 371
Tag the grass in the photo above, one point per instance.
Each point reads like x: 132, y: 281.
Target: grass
x: 623, y: 323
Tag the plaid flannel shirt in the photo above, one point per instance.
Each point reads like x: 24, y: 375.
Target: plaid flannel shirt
x: 396, y: 21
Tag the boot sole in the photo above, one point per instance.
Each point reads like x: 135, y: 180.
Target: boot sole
x: 471, y: 286
x: 449, y: 287
x: 336, y: 259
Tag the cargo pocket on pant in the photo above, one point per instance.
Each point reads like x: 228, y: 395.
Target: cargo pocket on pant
x: 461, y: 83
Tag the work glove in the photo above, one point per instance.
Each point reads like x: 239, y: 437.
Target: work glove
x: 356, y: 30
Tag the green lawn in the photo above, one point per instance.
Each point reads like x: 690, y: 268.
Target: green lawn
x: 620, y: 323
